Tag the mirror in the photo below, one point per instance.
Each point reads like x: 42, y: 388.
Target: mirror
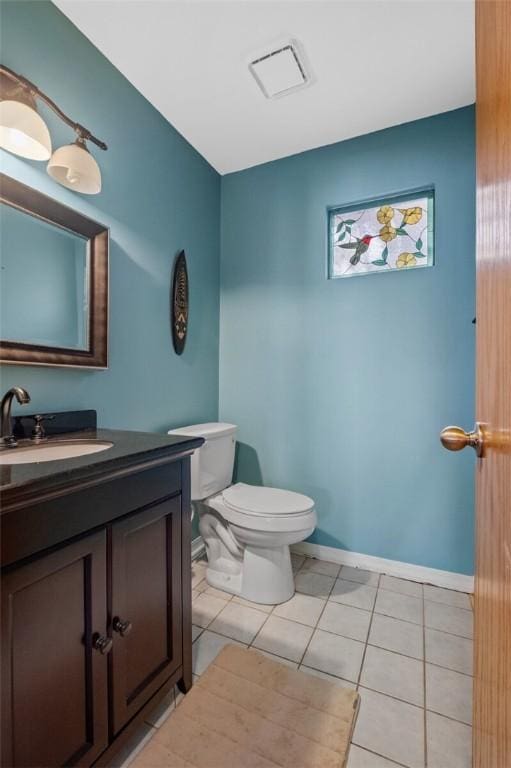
x: 53, y: 281
x: 47, y: 268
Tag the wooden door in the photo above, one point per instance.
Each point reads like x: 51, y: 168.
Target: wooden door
x: 146, y: 605
x: 54, y: 683
x: 492, y: 695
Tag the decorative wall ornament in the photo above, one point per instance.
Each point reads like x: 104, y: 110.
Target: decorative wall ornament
x: 382, y: 235
x: 179, y: 299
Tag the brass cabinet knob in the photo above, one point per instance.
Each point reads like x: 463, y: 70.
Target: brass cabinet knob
x: 122, y: 627
x: 455, y: 439
x: 102, y: 644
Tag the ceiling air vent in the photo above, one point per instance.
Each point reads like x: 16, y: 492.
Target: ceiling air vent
x: 280, y: 71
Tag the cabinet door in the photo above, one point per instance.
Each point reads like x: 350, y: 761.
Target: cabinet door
x: 146, y: 605
x: 54, y: 684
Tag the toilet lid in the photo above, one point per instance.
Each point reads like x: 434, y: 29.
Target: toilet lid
x: 257, y: 500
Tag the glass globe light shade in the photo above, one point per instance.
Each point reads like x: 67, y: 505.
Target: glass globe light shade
x: 23, y: 131
x: 74, y: 167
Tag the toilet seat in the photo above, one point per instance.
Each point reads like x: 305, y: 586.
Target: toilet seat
x: 259, y: 500
x: 266, y: 509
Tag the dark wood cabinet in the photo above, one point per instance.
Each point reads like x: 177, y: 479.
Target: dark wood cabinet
x: 54, y: 682
x: 145, y: 605
x: 96, y: 612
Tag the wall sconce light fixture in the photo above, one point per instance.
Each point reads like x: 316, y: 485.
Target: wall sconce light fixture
x: 24, y: 132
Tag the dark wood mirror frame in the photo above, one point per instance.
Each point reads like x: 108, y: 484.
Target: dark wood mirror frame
x: 29, y: 200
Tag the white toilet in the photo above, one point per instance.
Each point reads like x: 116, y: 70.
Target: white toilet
x: 247, y: 529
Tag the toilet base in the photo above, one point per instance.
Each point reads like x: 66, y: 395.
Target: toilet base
x: 251, y: 561
x: 266, y: 576
x: 227, y: 582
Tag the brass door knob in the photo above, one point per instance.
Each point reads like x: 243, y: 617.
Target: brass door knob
x: 455, y: 439
x: 122, y: 627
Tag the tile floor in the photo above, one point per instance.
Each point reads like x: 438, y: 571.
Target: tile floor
x: 407, y: 647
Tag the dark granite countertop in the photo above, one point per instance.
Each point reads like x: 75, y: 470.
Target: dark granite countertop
x: 24, y: 482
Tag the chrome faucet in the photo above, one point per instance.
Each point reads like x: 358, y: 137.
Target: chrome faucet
x: 7, y: 439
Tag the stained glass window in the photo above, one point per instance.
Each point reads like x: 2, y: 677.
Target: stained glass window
x: 384, y: 235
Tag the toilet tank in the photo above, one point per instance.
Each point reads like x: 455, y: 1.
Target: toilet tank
x: 213, y: 463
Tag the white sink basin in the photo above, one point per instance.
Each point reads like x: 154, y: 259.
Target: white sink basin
x: 52, y: 451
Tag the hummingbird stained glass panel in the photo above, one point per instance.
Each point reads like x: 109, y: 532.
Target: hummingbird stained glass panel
x: 384, y: 235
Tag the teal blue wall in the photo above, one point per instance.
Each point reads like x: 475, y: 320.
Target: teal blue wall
x: 159, y: 195
x: 340, y: 387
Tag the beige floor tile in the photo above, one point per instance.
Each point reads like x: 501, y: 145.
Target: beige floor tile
x: 315, y: 584
x: 325, y: 676
x: 257, y: 606
x: 345, y: 620
x: 449, y: 651
x: 161, y: 712
x: 449, y: 743
x: 205, y: 608
x: 198, y: 573
x: 447, y: 596
x: 390, y: 728
x: 394, y: 675
x: 206, y: 648
x: 449, y: 693
x: 396, y: 635
x: 403, y: 586
x: 239, y: 622
x: 283, y: 638
x: 201, y: 586
x: 350, y: 573
x: 399, y: 606
x: 388, y: 731
x: 335, y: 655
x: 361, y: 758
x: 311, y: 565
x: 302, y: 608
x: 448, y: 618
x: 354, y: 594
x: 218, y: 593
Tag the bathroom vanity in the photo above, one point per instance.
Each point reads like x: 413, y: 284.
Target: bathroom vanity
x: 96, y: 593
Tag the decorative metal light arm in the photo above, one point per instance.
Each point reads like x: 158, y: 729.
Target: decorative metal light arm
x: 34, y: 91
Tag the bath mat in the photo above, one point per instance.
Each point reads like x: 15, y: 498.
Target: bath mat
x: 248, y: 711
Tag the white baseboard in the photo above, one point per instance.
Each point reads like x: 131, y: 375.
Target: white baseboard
x: 198, y: 548
x: 447, y: 579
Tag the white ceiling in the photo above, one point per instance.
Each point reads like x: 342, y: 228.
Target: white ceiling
x: 375, y: 63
